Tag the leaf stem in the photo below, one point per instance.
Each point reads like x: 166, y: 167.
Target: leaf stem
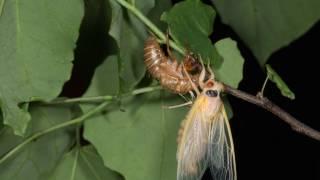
x: 143, y: 90
x: 78, y: 120
x: 81, y: 100
x: 74, y: 166
x: 264, y: 85
x: 78, y: 135
x: 98, y: 99
x: 150, y: 25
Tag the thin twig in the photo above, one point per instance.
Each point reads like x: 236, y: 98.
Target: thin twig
x: 149, y: 24
x: 265, y: 103
x: 95, y: 99
x: 99, y: 99
x: 264, y: 85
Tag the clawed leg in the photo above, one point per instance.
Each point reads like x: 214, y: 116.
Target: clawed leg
x: 202, y: 74
x: 192, y: 83
x: 184, y: 98
x: 168, y: 47
x: 177, y: 106
x: 210, y: 71
x: 192, y: 95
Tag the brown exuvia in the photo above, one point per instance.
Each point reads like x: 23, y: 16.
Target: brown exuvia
x: 167, y: 70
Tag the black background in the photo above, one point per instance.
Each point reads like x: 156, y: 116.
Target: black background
x: 266, y: 147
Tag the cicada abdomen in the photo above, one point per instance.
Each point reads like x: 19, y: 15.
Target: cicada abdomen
x: 154, y: 57
x: 167, y: 70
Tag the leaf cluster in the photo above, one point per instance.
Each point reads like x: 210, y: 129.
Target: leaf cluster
x: 127, y: 133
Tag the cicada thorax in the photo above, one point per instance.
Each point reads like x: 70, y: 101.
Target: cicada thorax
x: 167, y: 70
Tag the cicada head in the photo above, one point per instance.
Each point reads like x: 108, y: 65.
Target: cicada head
x: 211, y: 91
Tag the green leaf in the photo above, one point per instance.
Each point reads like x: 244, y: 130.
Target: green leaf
x: 230, y: 71
x: 156, y: 12
x: 266, y: 26
x: 191, y: 22
x: 282, y: 86
x: 83, y: 164
x: 36, y: 44
x: 1, y: 6
x: 129, y: 33
x: 139, y: 143
x: 106, y: 77
x: 1, y: 120
x: 39, y: 158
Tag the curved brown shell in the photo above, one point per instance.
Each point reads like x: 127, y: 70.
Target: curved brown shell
x: 167, y: 70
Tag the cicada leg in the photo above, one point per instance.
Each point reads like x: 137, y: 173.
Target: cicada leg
x: 202, y: 74
x: 178, y: 106
x: 192, y: 95
x: 194, y: 86
x: 210, y: 71
x: 170, y: 54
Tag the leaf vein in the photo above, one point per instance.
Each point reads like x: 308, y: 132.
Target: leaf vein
x: 94, y: 172
x: 74, y: 167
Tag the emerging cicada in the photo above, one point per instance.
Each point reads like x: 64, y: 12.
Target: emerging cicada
x: 205, y: 139
x: 167, y: 70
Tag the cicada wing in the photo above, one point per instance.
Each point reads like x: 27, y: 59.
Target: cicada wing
x: 220, y: 148
x: 192, y: 151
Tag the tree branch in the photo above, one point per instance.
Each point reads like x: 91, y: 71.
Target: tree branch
x: 265, y: 103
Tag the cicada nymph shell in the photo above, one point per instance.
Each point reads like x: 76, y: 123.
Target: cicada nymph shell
x: 167, y: 70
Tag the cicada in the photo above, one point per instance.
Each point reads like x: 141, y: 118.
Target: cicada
x: 204, y: 139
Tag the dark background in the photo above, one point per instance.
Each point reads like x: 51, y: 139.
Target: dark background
x: 266, y: 147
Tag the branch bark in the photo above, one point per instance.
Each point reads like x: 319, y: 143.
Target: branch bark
x: 265, y: 103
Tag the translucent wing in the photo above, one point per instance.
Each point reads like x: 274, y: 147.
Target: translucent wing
x: 192, y: 151
x: 205, y: 141
x: 220, y: 148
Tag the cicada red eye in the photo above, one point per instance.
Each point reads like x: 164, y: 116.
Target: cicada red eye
x: 209, y: 84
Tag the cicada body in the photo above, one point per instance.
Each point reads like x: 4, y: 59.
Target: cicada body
x: 167, y: 70
x: 205, y: 139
